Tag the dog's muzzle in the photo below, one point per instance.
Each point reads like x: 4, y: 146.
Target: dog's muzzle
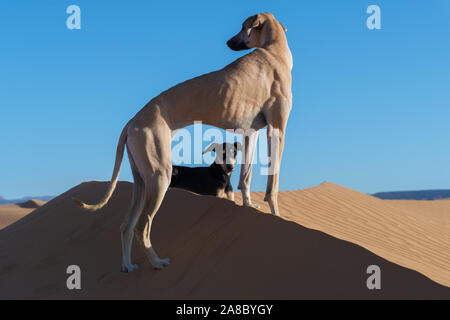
x: 229, y: 167
x: 236, y: 45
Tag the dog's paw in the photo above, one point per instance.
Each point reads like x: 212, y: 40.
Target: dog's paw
x: 160, y: 263
x: 252, y: 205
x: 129, y: 268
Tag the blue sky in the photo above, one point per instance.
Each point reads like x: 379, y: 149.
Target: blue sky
x: 371, y: 108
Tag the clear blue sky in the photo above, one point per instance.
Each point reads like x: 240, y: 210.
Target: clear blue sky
x: 371, y: 109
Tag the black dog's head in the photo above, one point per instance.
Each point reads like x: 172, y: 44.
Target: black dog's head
x: 225, y: 154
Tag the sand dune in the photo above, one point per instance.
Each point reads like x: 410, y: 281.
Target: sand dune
x: 413, y: 234
x: 10, y: 213
x: 222, y: 250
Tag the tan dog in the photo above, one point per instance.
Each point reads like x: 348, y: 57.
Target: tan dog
x: 250, y: 93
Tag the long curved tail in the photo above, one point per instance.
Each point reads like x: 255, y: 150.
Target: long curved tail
x: 114, y: 178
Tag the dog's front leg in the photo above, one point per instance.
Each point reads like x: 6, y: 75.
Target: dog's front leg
x: 276, y: 118
x: 275, y: 141
x: 245, y: 179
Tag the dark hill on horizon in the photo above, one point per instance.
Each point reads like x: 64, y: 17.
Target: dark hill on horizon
x: 414, y: 195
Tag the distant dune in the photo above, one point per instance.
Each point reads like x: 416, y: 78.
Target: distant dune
x: 10, y: 213
x: 223, y: 250
x: 25, y: 199
x: 414, y: 195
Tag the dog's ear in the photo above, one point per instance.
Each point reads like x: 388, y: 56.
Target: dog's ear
x: 238, y: 146
x: 256, y: 21
x: 261, y: 18
x: 212, y: 147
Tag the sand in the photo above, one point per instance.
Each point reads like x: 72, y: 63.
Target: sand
x: 10, y: 213
x: 320, y: 248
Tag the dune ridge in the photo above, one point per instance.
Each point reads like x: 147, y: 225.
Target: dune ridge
x: 221, y: 250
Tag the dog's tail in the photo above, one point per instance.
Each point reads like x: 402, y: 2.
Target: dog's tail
x: 115, y: 175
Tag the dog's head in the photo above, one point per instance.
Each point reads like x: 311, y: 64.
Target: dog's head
x: 225, y: 154
x: 256, y: 32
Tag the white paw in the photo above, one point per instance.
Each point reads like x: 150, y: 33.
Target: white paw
x: 251, y: 205
x: 161, y: 263
x: 129, y: 267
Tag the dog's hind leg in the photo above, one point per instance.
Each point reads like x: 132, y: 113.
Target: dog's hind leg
x: 154, y: 193
x: 155, y: 167
x: 130, y: 221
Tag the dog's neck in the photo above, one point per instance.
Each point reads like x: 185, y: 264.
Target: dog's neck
x: 274, y: 39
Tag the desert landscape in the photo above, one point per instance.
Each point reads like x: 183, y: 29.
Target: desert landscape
x: 328, y: 235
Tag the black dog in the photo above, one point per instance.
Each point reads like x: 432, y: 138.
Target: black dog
x: 213, y: 180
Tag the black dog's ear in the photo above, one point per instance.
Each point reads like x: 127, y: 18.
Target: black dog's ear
x: 212, y: 147
x: 238, y: 146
